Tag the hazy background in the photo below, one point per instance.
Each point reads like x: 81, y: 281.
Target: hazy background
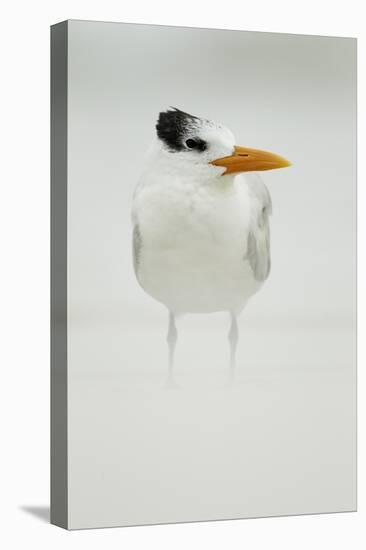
x: 281, y: 440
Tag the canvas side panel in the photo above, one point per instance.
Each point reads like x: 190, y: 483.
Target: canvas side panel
x: 59, y: 50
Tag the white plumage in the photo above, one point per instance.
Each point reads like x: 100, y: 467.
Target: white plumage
x: 201, y: 238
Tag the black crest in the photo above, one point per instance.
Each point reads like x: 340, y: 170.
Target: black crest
x: 174, y: 126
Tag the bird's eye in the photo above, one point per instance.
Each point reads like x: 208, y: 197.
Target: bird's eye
x: 191, y: 143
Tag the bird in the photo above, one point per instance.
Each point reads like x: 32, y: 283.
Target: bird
x: 200, y: 222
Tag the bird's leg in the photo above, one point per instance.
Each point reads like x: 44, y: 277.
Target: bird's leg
x: 172, y: 340
x: 233, y: 340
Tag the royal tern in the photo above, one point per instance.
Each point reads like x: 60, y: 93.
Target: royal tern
x: 201, y: 240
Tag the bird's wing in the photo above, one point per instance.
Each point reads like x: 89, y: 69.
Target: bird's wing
x: 136, y: 247
x: 258, y: 244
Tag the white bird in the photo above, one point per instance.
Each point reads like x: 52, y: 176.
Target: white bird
x: 201, y: 238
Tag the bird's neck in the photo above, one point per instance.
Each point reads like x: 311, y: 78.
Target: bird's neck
x: 186, y: 175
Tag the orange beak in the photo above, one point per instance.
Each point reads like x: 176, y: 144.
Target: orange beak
x: 250, y: 160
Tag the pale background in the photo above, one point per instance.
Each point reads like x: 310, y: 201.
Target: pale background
x: 281, y: 440
x: 24, y: 403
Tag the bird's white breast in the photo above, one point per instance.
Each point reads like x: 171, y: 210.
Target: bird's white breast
x: 194, y: 243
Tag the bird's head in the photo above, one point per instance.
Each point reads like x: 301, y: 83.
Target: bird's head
x: 206, y: 148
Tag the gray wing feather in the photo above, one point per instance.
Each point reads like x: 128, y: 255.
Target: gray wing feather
x: 258, y: 244
x: 136, y: 247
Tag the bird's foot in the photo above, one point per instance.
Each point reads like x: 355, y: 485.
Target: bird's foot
x: 171, y: 383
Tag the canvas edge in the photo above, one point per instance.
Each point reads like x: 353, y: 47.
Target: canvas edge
x: 58, y: 420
